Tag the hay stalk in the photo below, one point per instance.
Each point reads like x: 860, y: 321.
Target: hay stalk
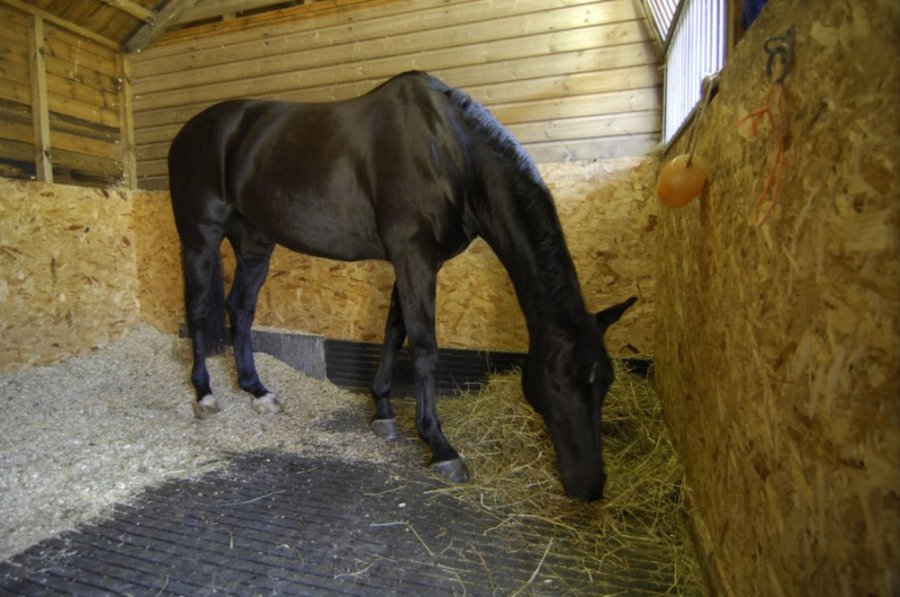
x: 516, y: 480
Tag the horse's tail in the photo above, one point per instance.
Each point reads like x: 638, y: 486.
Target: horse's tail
x: 204, y: 298
x: 197, y: 193
x: 214, y: 325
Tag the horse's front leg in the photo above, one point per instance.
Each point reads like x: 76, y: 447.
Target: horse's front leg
x: 416, y: 286
x: 385, y: 424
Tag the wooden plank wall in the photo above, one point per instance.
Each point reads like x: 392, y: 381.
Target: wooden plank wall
x: 573, y: 80
x: 80, y: 80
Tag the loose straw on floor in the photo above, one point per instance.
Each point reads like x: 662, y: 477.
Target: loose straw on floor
x: 515, y: 478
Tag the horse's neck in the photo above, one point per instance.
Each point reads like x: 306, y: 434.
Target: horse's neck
x: 522, y: 228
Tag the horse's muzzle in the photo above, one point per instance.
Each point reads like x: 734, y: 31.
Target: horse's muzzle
x: 585, y: 487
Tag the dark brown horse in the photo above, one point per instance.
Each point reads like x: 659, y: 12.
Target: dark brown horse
x: 409, y: 173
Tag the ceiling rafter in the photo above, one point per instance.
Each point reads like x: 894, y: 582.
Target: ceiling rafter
x: 222, y: 8
x: 145, y: 20
x: 164, y: 19
x: 134, y: 9
x: 65, y: 24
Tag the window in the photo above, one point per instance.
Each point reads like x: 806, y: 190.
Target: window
x: 661, y: 14
x: 693, y: 36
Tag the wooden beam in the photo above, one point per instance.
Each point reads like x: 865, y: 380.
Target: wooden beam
x: 126, y: 119
x: 59, y: 22
x: 222, y: 8
x: 40, y: 113
x: 134, y: 9
x: 167, y: 17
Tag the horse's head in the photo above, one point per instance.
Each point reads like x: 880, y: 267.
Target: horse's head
x: 565, y: 378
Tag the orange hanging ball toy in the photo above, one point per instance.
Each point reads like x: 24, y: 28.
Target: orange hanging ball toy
x: 681, y: 180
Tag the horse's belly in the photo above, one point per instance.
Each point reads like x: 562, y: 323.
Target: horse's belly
x: 320, y: 227
x: 348, y: 246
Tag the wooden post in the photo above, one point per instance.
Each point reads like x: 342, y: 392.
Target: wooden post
x: 126, y: 123
x: 40, y: 113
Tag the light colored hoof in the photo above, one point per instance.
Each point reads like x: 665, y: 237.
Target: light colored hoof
x: 206, y: 406
x: 387, y: 429
x: 267, y: 404
x: 454, y: 470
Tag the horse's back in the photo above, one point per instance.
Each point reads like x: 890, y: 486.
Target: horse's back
x: 343, y: 179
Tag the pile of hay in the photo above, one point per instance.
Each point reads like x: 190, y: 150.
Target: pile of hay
x: 515, y: 477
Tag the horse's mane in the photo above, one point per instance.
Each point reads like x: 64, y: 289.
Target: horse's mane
x: 533, y: 197
x: 489, y: 129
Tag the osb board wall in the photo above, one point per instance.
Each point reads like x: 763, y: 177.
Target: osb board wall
x: 67, y: 271
x: 81, y: 99
x: 778, y: 352
x: 572, y: 80
x: 604, y: 209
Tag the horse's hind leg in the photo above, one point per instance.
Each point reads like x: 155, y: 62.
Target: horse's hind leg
x: 204, y: 306
x: 252, y: 253
x: 384, y: 424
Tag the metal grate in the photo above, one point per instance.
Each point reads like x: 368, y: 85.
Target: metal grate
x: 352, y: 365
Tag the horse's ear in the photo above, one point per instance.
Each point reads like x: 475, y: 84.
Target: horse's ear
x: 610, y: 315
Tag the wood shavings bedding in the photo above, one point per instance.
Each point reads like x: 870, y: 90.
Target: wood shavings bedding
x: 83, y: 435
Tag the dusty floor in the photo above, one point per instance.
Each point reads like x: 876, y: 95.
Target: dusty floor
x: 78, y: 437
x: 103, y: 429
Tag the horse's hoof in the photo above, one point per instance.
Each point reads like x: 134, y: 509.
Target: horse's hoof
x: 267, y: 404
x: 454, y: 470
x: 206, y: 406
x: 387, y: 429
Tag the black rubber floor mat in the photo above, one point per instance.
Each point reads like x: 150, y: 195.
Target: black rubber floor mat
x: 281, y: 524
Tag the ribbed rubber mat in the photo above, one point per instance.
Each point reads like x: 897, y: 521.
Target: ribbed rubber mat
x: 279, y: 524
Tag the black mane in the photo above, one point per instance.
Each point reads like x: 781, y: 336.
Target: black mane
x: 533, y: 198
